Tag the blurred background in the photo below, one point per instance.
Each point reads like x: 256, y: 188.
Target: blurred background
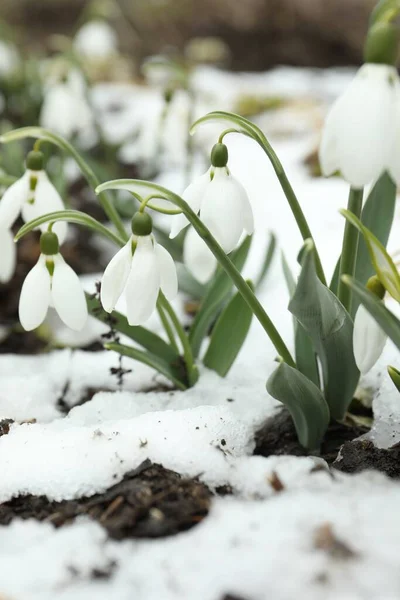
x: 259, y: 33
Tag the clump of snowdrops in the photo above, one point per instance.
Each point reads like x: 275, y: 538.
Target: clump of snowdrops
x: 340, y: 326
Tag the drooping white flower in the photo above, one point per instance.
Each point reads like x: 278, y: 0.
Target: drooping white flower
x: 32, y: 196
x: 359, y: 132
x: 96, y: 40
x: 140, y: 269
x: 9, y: 58
x: 223, y: 206
x: 66, y: 110
x: 52, y: 282
x: 369, y: 340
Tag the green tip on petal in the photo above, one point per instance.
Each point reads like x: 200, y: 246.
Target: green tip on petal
x: 382, y: 44
x: 142, y: 224
x: 49, y: 243
x: 35, y: 161
x: 375, y: 286
x: 219, y: 155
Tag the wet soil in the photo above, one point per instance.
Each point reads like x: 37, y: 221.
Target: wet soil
x: 361, y: 455
x: 278, y: 437
x: 149, y: 502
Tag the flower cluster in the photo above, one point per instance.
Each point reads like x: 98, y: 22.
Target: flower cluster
x: 31, y: 196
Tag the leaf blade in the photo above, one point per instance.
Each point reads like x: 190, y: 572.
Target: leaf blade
x: 229, y: 335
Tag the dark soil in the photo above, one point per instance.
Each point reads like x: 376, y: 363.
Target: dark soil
x: 360, y: 455
x: 278, y: 437
x: 149, y: 502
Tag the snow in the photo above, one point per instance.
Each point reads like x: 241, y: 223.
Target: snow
x: 256, y: 544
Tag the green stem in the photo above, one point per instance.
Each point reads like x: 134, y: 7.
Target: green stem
x: 349, y: 249
x: 48, y: 136
x: 167, y: 326
x: 191, y: 368
x: 291, y: 197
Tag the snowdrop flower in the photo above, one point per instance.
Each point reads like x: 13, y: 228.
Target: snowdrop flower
x: 141, y: 268
x: 9, y: 59
x: 359, y: 132
x: 223, y: 206
x: 368, y: 338
x: 96, y: 40
x: 52, y: 282
x: 32, y: 196
x: 65, y: 108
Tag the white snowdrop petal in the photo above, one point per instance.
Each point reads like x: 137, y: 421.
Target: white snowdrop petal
x: 143, y: 282
x: 365, y: 124
x: 328, y: 151
x: 168, y: 275
x: 68, y: 295
x: 193, y: 195
x: 12, y: 201
x: 115, y: 277
x: 222, y: 210
x: 47, y: 200
x: 247, y: 214
x: 368, y: 340
x: 8, y: 255
x: 35, y: 296
x: 197, y: 257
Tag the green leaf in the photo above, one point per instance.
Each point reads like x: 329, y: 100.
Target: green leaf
x: 395, y: 377
x: 331, y: 330
x: 72, y: 216
x: 172, y: 372
x: 215, y: 298
x: 385, y: 11
x: 381, y: 260
x: 229, y: 335
x: 269, y: 255
x: 306, y: 359
x: 377, y: 216
x: 148, y: 340
x: 386, y: 319
x: 305, y: 402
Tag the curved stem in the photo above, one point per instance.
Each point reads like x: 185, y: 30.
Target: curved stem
x: 183, y: 338
x: 349, y: 249
x: 291, y: 197
x: 48, y: 136
x: 167, y: 326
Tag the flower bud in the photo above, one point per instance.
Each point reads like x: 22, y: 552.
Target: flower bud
x: 49, y: 243
x: 219, y: 155
x: 375, y: 286
x: 142, y: 224
x: 35, y: 161
x: 381, y: 46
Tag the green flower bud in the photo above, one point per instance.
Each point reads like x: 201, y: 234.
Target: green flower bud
x: 142, y: 224
x: 35, y: 161
x: 219, y: 155
x: 382, y: 44
x: 375, y: 286
x: 49, y: 243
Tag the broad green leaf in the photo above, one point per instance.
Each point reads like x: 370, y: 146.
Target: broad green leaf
x: 381, y: 260
x: 384, y: 317
x: 174, y: 373
x: 72, y: 216
x: 305, y: 402
x: 377, y: 216
x: 331, y: 330
x: 306, y: 359
x: 395, y: 377
x: 229, y: 335
x: 215, y: 298
x: 148, y: 340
